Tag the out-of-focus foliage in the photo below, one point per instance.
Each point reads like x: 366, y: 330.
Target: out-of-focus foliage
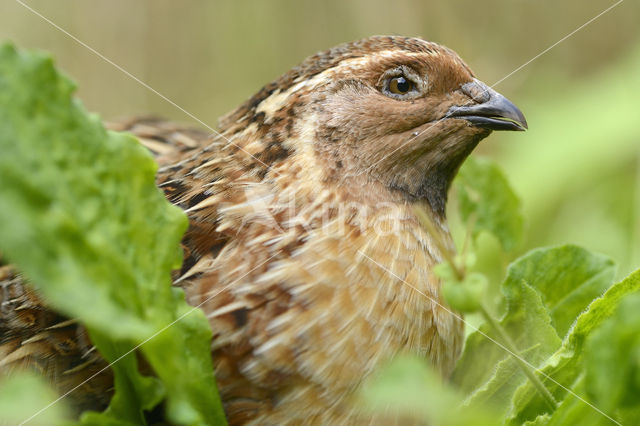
x: 409, y: 387
x: 568, y: 278
x: 528, y: 320
x: 463, y: 295
x: 548, y: 296
x: 487, y: 201
x: 532, y: 322
x: 612, y: 357
x: 567, y: 365
x: 23, y: 394
x: 82, y: 218
x: 578, y: 167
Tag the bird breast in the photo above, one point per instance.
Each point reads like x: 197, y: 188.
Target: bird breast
x: 320, y: 290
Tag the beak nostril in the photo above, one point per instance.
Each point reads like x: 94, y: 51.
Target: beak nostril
x: 477, y: 90
x: 491, y: 111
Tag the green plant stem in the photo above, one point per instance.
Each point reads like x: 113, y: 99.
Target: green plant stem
x: 526, y: 368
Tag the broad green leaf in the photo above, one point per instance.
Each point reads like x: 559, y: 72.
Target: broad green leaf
x: 488, y: 201
x: 566, y: 365
x: 612, y: 381
x: 545, y: 290
x: 82, y: 218
x: 568, y: 278
x: 541, y: 420
x: 612, y: 361
x: 574, y: 411
x: 487, y: 373
x: 408, y: 387
x: 22, y: 395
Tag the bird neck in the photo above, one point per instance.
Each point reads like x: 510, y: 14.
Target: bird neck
x: 424, y: 179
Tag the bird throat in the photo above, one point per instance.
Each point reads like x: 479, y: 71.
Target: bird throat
x: 429, y: 180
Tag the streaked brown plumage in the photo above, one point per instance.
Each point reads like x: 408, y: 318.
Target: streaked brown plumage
x: 302, y: 236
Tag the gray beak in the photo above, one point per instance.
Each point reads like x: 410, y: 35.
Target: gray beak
x: 492, y: 111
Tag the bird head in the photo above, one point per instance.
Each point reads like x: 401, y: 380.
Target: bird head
x: 399, y: 111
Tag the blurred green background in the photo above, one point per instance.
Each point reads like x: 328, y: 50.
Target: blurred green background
x: 577, y: 169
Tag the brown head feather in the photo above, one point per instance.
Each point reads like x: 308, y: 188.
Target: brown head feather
x: 335, y: 101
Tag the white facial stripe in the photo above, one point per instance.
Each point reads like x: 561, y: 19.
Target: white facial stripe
x: 279, y: 99
x: 363, y: 61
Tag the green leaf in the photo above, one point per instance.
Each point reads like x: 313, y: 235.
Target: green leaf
x: 568, y: 278
x: 566, y: 365
x: 612, y: 360
x: 22, y: 395
x: 465, y: 296
x: 409, y: 388
x: 487, y: 199
x: 82, y: 218
x: 544, y: 291
x: 541, y: 420
x: 134, y: 392
x: 574, y: 411
x: 528, y: 324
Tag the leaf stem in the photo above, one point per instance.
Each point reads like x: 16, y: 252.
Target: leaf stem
x: 524, y: 366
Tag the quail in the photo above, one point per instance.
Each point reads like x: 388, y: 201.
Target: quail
x: 303, y: 249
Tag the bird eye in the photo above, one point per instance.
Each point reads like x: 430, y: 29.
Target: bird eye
x: 400, y: 85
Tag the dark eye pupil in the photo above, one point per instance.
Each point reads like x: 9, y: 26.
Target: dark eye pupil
x: 402, y: 84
